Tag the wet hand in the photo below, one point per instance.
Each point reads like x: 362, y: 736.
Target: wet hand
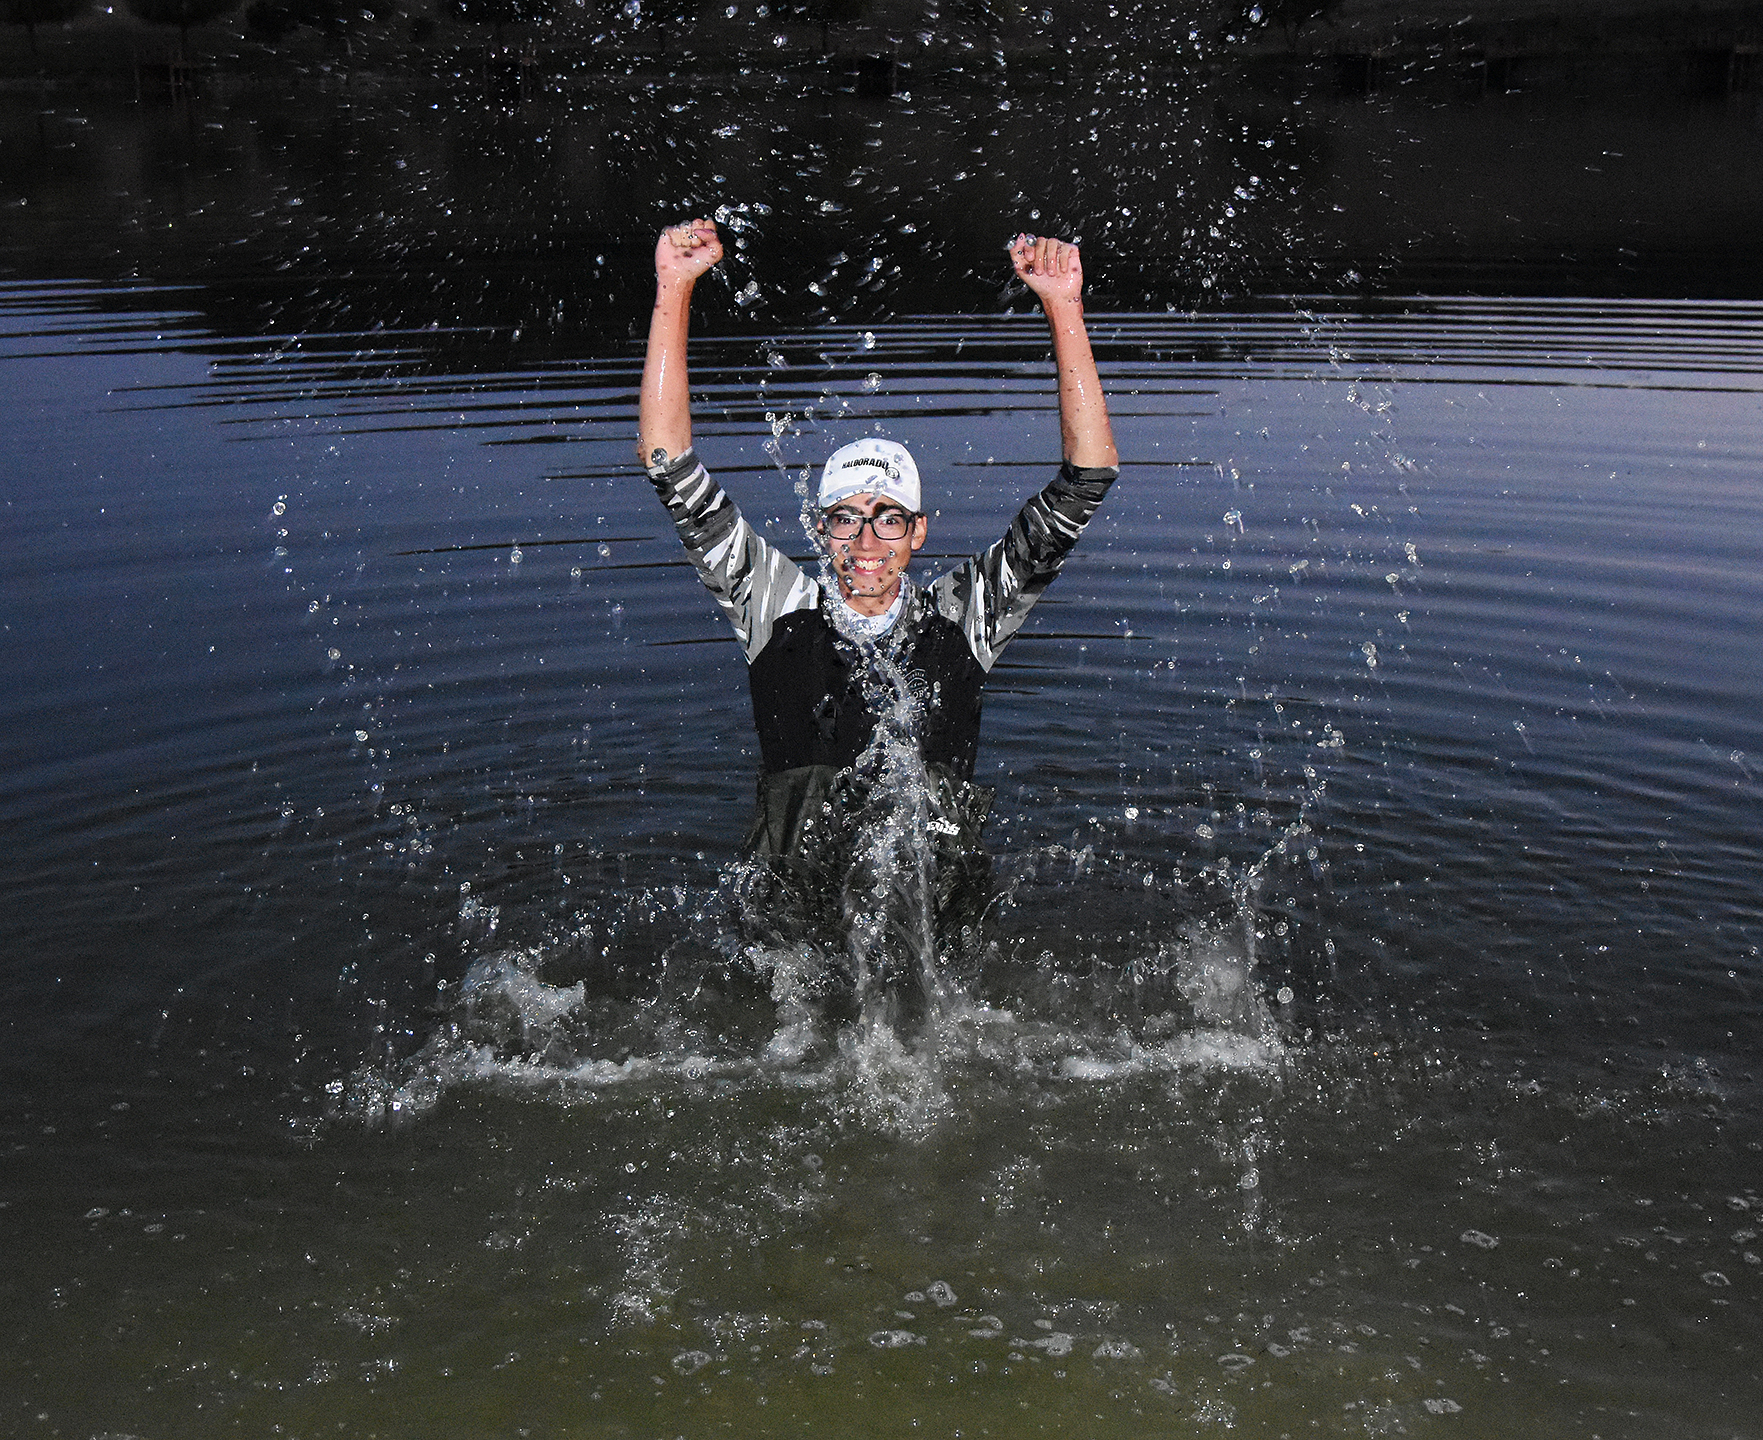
x: 685, y: 251
x: 1050, y: 268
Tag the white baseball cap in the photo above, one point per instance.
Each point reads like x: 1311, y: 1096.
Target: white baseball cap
x: 870, y: 467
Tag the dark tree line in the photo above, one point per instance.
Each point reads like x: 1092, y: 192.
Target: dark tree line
x: 273, y: 19
x: 181, y: 13
x: 32, y: 13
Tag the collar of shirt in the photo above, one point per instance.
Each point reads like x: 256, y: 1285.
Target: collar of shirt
x: 869, y: 627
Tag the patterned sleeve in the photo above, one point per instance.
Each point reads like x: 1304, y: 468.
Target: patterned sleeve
x: 990, y: 596
x: 754, y: 582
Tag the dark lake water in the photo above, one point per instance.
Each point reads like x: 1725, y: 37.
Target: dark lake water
x: 1367, y: 1040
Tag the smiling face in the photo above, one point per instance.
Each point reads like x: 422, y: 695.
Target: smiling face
x: 868, y: 568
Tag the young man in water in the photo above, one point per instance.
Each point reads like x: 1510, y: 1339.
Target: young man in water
x: 851, y: 680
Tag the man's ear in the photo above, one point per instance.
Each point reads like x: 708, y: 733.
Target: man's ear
x: 920, y: 528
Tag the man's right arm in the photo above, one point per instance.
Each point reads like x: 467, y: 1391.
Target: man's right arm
x: 752, y: 581
x: 664, y: 404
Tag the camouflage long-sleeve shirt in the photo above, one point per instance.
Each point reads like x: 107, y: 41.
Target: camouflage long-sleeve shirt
x: 808, y: 703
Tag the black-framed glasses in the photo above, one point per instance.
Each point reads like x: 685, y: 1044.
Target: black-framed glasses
x: 848, y: 524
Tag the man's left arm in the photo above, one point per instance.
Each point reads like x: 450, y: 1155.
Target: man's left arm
x: 1053, y: 269
x: 992, y: 594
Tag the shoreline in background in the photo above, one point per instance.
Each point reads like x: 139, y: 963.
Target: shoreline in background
x: 1354, y: 47
x: 458, y: 184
